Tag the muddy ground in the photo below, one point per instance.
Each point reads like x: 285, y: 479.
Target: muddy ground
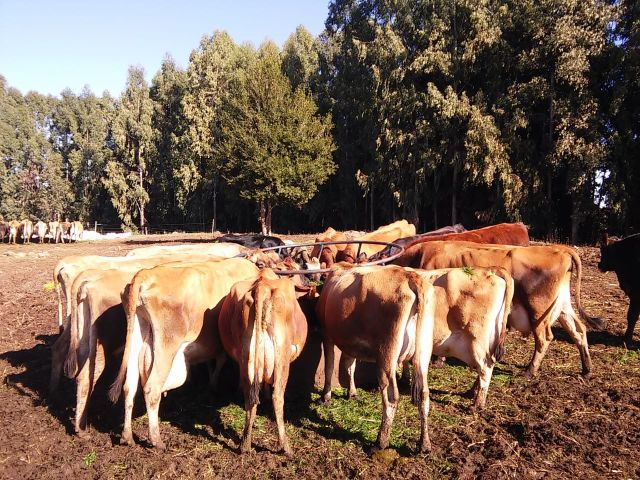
x: 558, y: 425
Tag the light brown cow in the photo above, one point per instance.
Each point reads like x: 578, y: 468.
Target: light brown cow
x: 69, y: 267
x: 328, y: 254
x: 26, y: 230
x: 542, y: 276
x: 226, y: 250
x: 54, y: 230
x: 75, y: 231
x: 40, y: 230
x: 171, y: 323
x: 262, y: 327
x: 63, y: 230
x: 387, y: 233
x: 472, y: 306
x: 14, y: 225
x: 98, y: 324
x: 383, y: 315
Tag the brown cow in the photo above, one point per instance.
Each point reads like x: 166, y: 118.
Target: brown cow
x: 171, y: 323
x: 383, y: 315
x: 472, y: 307
x: 542, y: 276
x: 14, y: 225
x: 263, y: 328
x: 4, y: 231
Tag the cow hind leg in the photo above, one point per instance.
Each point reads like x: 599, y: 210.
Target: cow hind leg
x: 281, y: 375
x: 153, y: 392
x: 250, y: 416
x: 542, y: 336
x: 130, y: 387
x: 389, y: 393
x: 58, y: 353
x: 578, y: 333
x: 481, y: 387
x: 350, y: 365
x: 632, y: 319
x: 329, y: 358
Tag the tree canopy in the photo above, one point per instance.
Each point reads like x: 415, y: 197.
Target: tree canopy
x: 438, y: 111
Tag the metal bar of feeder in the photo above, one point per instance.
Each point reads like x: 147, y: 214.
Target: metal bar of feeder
x: 381, y: 261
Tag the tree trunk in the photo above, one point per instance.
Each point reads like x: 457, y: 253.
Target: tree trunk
x: 142, y: 221
x: 263, y: 217
x: 435, y: 200
x: 214, y: 226
x: 269, y: 210
x: 575, y: 221
x: 371, y: 207
x: 454, y: 182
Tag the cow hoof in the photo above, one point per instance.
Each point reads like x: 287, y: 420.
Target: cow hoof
x: 586, y: 374
x: 127, y: 441
x: 83, y: 434
x: 286, y: 450
x: 159, y: 445
x: 424, y: 447
x: 529, y: 374
x: 324, y: 399
x: 353, y: 396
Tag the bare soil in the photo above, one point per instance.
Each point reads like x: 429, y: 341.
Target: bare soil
x: 558, y: 425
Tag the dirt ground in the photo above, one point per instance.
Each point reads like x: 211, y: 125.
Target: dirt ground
x: 558, y: 425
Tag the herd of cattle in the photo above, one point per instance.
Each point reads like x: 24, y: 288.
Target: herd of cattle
x: 26, y: 229
x: 450, y: 293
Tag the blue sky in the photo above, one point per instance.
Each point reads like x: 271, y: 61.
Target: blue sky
x: 49, y: 45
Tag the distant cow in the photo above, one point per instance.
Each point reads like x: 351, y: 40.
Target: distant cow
x: 542, y: 276
x: 26, y: 230
x: 54, y: 230
x: 14, y: 226
x: 327, y: 255
x: 4, y: 231
x: 63, y: 230
x: 252, y: 241
x: 262, y: 327
x: 172, y: 317
x: 75, y: 231
x: 40, y: 229
x: 383, y: 315
x: 623, y: 257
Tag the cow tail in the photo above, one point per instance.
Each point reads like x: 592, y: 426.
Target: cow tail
x: 425, y: 311
x: 129, y: 297
x: 56, y: 285
x: 498, y: 350
x: 71, y: 363
x: 254, y: 355
x: 594, y: 322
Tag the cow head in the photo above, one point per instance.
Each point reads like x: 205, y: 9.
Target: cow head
x: 609, y: 254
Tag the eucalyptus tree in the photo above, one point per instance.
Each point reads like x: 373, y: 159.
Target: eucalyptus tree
x: 172, y: 168
x: 300, y: 60
x: 551, y: 107
x: 80, y: 133
x: 620, y: 82
x: 132, y: 135
x: 212, y: 68
x: 31, y: 181
x: 274, y: 146
x: 429, y: 118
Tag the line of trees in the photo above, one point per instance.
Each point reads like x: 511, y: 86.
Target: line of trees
x: 438, y: 111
